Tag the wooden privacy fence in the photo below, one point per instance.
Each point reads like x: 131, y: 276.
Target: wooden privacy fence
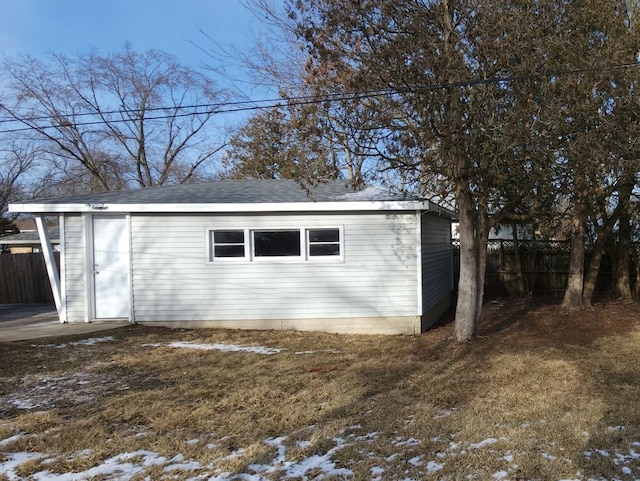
x: 24, y: 280
x: 538, y: 268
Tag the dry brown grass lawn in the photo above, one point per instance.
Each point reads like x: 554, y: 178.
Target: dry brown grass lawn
x: 541, y: 395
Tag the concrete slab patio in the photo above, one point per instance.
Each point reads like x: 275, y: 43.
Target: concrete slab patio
x: 33, y: 321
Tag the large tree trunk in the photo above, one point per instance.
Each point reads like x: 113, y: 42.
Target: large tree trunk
x: 481, y: 242
x: 466, y: 308
x: 636, y: 262
x: 573, y: 295
x: 623, y: 283
x: 622, y: 252
x: 594, y: 268
x: 520, y: 287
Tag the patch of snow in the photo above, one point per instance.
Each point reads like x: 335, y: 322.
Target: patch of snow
x: 399, y: 442
x: 433, y: 467
x: 453, y: 446
x: 85, y: 342
x: 371, y: 193
x: 25, y: 404
x: 183, y: 466
x: 92, y: 341
x: 123, y: 466
x: 233, y: 455
x: 282, y: 449
x: 298, y: 469
x: 11, y: 439
x: 225, y: 347
x: 484, y: 443
x: 322, y: 463
x: 14, y: 460
x: 366, y: 437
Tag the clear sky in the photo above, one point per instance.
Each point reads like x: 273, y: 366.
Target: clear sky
x: 66, y: 26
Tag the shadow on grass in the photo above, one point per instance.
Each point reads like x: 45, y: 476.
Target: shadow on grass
x: 535, y: 382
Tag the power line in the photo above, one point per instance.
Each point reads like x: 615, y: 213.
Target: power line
x: 251, y: 105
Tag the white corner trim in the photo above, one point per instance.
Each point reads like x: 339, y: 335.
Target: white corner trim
x: 63, y: 270
x: 87, y: 246
x: 50, y: 262
x: 420, y: 287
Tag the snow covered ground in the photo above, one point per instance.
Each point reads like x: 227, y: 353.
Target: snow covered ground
x: 331, y: 461
x: 319, y: 466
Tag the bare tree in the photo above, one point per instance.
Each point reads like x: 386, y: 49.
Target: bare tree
x: 124, y: 119
x: 343, y: 131
x: 18, y: 159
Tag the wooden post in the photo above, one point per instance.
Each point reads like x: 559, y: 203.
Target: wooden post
x: 50, y: 262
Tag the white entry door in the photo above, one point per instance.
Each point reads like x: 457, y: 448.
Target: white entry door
x: 111, y: 267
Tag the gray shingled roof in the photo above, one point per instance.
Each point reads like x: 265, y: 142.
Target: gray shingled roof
x: 234, y: 191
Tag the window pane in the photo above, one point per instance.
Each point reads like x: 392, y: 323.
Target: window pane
x: 276, y: 243
x: 324, y: 249
x: 228, y: 237
x: 229, y: 251
x: 324, y: 235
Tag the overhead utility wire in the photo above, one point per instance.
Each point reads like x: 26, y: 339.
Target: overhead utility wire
x: 304, y: 100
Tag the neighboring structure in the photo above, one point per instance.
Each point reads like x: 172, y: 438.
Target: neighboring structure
x: 501, y: 231
x: 28, y: 242
x: 252, y: 254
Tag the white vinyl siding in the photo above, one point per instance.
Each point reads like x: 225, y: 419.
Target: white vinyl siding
x: 437, y: 274
x: 74, y: 268
x: 376, y: 275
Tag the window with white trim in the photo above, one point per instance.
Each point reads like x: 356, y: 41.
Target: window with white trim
x: 314, y: 243
x: 227, y: 244
x: 277, y: 243
x: 323, y: 242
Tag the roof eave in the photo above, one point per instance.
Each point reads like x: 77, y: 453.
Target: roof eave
x: 392, y: 205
